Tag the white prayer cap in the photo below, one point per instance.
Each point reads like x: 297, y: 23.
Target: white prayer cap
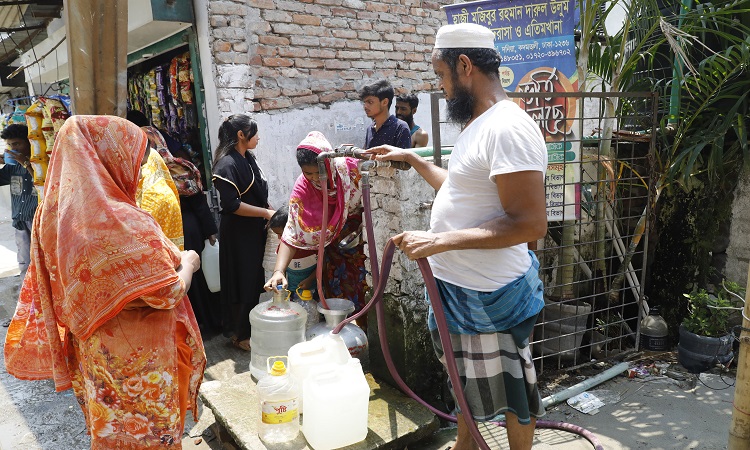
x: 464, y: 35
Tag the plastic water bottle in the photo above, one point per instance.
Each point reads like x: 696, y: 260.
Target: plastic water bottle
x: 279, y: 406
x: 305, y: 299
x: 654, y: 331
x: 275, y: 327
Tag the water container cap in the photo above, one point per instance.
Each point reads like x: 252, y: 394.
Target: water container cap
x: 278, y: 369
x: 305, y: 294
x: 281, y: 294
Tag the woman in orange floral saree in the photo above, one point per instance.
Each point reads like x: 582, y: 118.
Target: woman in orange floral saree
x: 102, y: 309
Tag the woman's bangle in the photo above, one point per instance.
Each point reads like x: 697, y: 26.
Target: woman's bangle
x: 277, y: 270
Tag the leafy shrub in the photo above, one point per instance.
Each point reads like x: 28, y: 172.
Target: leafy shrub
x: 709, y: 314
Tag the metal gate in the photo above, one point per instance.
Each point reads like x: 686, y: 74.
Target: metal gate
x: 594, y: 254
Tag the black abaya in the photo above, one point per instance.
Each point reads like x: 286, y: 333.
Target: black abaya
x: 242, y: 239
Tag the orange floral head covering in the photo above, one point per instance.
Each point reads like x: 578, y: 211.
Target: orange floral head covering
x: 92, y: 249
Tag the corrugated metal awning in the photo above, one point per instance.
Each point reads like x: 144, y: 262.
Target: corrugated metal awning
x: 22, y: 25
x: 10, y: 15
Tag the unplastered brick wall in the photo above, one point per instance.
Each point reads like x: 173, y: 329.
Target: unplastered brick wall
x: 280, y: 54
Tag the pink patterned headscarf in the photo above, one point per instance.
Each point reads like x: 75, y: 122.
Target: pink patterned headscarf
x: 306, y: 201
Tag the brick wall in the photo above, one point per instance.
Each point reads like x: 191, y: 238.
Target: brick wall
x: 400, y: 202
x: 281, y: 54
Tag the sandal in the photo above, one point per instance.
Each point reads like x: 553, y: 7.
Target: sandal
x: 242, y: 345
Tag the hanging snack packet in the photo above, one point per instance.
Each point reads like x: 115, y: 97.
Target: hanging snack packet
x: 34, y: 118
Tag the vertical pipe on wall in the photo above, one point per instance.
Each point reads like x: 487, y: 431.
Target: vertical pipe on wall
x: 436, y: 144
x: 210, y: 97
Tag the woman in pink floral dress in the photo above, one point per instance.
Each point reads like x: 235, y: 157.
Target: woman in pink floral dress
x: 344, y: 272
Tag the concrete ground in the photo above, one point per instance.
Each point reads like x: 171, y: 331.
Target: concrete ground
x: 658, y: 413
x: 655, y: 414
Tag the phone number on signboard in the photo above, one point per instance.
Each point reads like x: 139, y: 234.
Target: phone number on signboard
x: 536, y: 55
x: 549, y: 54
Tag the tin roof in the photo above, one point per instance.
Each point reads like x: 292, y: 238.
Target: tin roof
x: 23, y: 24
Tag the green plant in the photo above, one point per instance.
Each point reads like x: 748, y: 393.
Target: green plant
x: 705, y: 135
x: 708, y: 314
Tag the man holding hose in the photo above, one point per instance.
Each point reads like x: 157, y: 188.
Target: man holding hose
x: 490, y: 203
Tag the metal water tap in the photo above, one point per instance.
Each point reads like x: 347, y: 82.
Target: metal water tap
x: 351, y: 151
x: 364, y: 169
x: 321, y: 160
x: 356, y: 152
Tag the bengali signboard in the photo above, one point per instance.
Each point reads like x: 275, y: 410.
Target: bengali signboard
x: 536, y: 41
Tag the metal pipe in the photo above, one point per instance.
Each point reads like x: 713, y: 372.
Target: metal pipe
x: 356, y: 152
x: 323, y: 177
x: 437, y: 148
x: 584, y: 385
x: 321, y: 160
x: 364, y: 170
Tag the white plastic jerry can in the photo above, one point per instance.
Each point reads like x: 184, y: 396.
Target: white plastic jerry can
x: 335, y: 405
x: 210, y: 266
x: 321, y: 351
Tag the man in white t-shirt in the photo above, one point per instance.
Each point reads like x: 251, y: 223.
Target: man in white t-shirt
x: 490, y: 203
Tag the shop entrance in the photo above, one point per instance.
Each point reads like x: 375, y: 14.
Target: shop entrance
x: 164, y: 85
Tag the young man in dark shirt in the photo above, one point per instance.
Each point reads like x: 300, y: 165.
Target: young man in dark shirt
x: 23, y: 196
x: 386, y: 129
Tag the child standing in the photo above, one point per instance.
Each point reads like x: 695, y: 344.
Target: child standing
x: 301, y: 271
